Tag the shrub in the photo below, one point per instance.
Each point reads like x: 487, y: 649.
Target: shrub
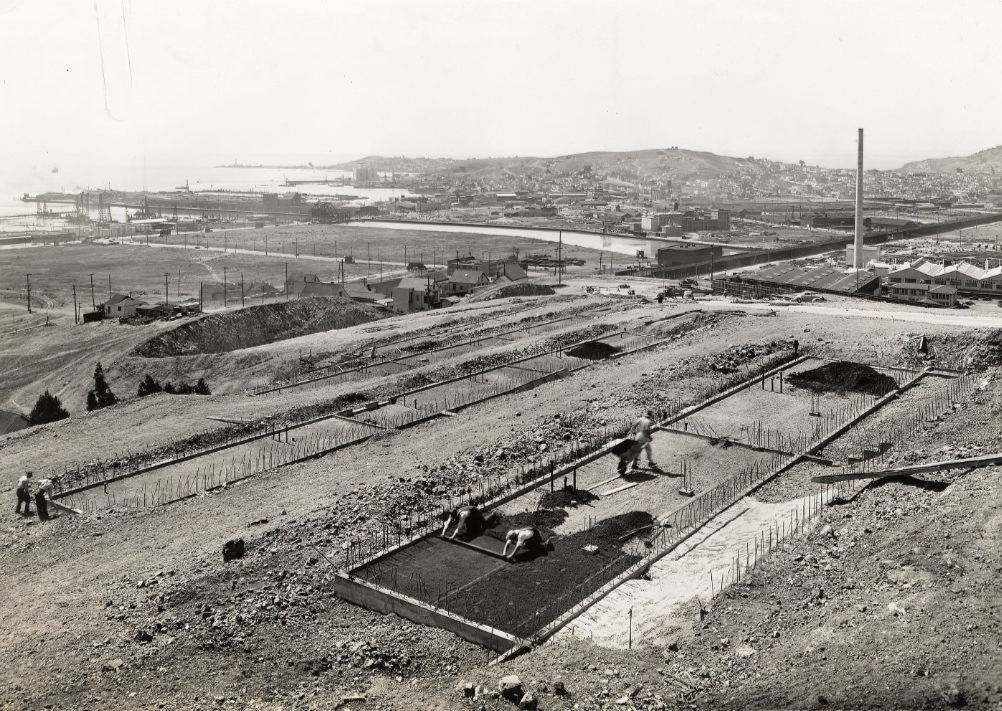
x: 199, y: 388
x: 148, y: 386
x: 101, y: 395
x: 47, y: 408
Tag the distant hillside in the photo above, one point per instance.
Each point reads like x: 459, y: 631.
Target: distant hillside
x: 986, y: 161
x: 679, y: 163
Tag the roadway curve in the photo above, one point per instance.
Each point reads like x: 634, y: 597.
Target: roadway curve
x: 938, y: 318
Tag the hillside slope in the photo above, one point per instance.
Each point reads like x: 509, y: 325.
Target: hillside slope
x: 257, y: 325
x: 986, y: 161
x: 681, y: 163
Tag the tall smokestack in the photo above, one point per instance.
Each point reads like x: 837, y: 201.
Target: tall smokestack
x: 857, y: 249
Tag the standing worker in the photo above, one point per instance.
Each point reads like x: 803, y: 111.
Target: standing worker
x: 796, y: 346
x: 44, y: 489
x: 641, y: 432
x: 24, y: 494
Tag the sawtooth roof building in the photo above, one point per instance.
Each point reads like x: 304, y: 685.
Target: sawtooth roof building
x: 965, y: 277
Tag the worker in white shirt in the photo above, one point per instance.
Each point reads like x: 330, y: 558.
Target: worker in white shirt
x: 24, y: 494
x: 44, y: 492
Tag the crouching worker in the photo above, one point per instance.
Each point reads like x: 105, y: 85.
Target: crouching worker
x: 42, y: 497
x: 467, y: 518
x: 525, y: 539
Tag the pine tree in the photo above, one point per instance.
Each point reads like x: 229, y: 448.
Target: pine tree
x: 47, y: 408
x: 148, y: 386
x: 101, y: 395
x: 169, y: 388
x: 201, y: 388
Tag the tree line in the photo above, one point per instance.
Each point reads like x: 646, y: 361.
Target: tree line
x: 49, y: 408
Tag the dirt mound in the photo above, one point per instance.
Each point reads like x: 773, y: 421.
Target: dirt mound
x: 843, y: 376
x: 562, y: 498
x: 987, y: 352
x: 593, y: 351
x: 507, y: 290
x: 257, y: 325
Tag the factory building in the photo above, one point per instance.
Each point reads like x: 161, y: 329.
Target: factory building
x: 964, y: 277
x: 688, y: 221
x: 682, y: 253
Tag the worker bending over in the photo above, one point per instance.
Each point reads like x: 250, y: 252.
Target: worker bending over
x: 467, y: 518
x: 524, y: 539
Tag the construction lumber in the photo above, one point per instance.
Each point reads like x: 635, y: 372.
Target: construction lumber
x: 968, y: 463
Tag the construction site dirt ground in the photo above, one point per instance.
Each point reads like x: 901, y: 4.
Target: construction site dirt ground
x: 890, y: 599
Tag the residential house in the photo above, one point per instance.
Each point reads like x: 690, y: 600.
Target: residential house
x: 121, y: 306
x: 462, y: 282
x: 513, y: 271
x: 323, y: 288
x: 357, y: 291
x: 416, y: 294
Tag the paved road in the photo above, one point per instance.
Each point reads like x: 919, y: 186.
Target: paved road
x: 942, y: 318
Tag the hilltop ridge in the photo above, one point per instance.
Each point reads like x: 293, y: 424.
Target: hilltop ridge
x: 986, y: 161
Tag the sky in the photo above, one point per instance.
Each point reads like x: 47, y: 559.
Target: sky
x: 127, y: 81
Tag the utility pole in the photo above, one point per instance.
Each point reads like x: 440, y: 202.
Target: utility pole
x: 167, y: 292
x: 266, y: 245
x: 93, y: 301
x: 199, y: 297
x: 560, y: 256
x: 241, y: 289
x: 75, y: 304
x: 286, y: 281
x: 224, y: 287
x: 27, y: 280
x: 109, y: 286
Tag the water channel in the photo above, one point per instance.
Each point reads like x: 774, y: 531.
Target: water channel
x: 620, y: 244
